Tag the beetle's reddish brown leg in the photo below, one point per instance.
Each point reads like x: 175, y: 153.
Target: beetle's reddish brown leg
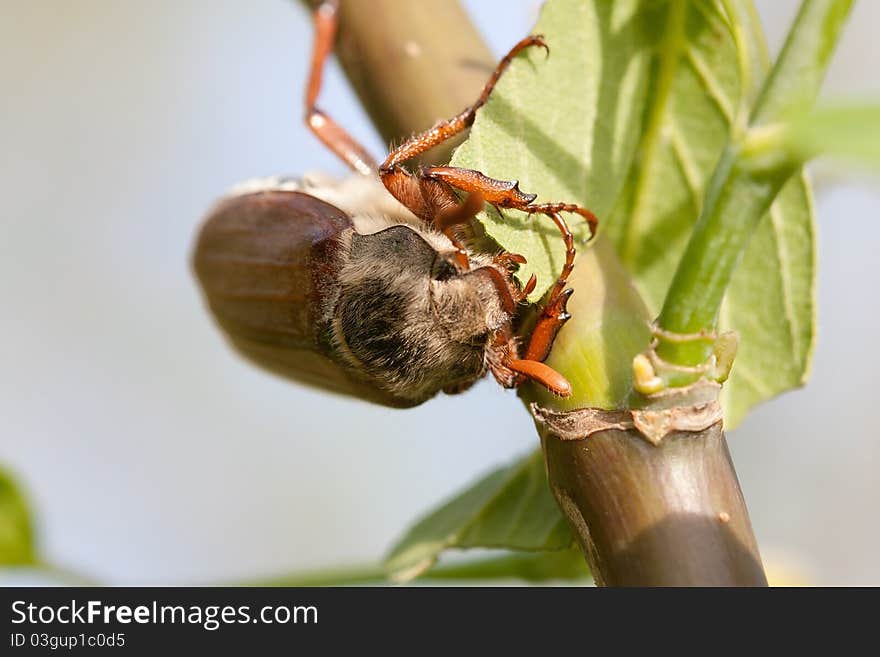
x: 398, y: 181
x: 540, y: 373
x: 443, y: 130
x: 450, y: 217
x: 326, y: 129
x: 503, y: 193
x: 554, y: 208
x: 552, y: 318
x: 554, y: 314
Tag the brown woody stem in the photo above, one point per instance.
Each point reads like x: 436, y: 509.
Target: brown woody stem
x: 644, y: 514
x: 411, y: 64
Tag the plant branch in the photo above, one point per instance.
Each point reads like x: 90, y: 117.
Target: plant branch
x: 667, y: 515
x: 739, y: 195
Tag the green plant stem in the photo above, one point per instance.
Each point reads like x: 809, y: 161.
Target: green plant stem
x: 738, y: 196
x: 847, y: 131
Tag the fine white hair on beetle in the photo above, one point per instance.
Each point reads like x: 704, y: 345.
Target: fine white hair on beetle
x: 266, y: 184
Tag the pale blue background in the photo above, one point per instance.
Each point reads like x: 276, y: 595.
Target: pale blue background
x: 153, y: 455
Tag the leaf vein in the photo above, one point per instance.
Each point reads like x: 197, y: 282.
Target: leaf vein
x: 669, y: 57
x: 686, y: 161
x: 710, y: 83
x: 784, y: 259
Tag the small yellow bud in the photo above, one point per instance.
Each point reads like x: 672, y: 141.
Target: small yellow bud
x: 645, y: 379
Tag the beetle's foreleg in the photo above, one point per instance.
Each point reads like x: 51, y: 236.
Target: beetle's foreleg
x: 326, y: 129
x: 425, y: 196
x: 512, y: 371
x: 554, y: 314
x: 507, y: 194
x: 552, y: 318
x: 540, y: 373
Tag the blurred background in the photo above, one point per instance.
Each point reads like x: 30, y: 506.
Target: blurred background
x: 151, y: 454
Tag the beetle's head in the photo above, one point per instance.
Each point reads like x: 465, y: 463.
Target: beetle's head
x: 411, y: 318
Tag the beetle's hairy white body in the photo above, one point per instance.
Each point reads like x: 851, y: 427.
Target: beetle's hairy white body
x: 391, y: 316
x: 363, y: 198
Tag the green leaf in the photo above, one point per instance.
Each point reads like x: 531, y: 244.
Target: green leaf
x: 771, y: 302
x: 16, y: 532
x: 629, y: 116
x: 511, y: 508
x: 527, y: 566
x: 689, y: 114
x: 566, y: 125
x: 502, y: 565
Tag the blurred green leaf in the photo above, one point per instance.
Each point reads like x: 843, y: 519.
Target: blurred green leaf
x: 629, y: 116
x: 771, y: 302
x: 689, y: 114
x: 850, y: 132
x: 511, y: 508
x: 16, y: 533
x: 558, y: 565
x: 502, y: 565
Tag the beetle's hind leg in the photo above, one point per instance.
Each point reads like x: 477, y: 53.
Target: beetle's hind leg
x: 334, y: 136
x: 443, y: 130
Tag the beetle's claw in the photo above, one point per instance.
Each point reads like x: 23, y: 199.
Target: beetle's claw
x: 538, y: 40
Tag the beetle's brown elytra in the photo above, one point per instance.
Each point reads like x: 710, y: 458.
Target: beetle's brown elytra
x: 374, y: 286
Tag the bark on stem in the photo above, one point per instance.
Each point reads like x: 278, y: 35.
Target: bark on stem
x: 651, y: 493
x: 645, y: 515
